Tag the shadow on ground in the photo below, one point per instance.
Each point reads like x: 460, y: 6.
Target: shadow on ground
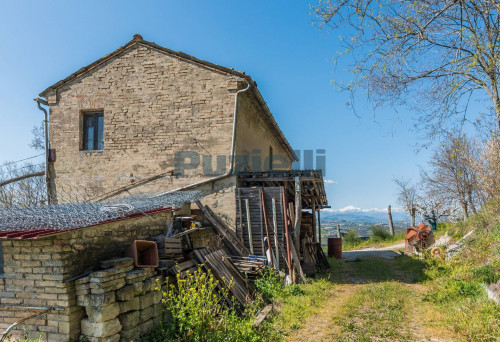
x: 376, y: 266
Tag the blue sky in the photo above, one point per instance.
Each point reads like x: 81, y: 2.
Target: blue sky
x: 273, y: 41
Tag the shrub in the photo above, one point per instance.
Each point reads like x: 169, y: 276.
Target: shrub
x: 351, y: 237
x: 486, y: 274
x: 454, y: 289
x: 198, y: 311
x: 379, y: 233
x: 270, y: 286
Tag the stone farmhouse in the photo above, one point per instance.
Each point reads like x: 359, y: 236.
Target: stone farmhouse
x: 146, y: 119
x: 126, y: 132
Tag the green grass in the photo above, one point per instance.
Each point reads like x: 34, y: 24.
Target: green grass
x: 379, y: 237
x: 375, y: 313
x: 456, y: 284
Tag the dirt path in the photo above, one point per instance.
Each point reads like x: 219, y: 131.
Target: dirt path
x: 374, y: 296
x: 319, y: 327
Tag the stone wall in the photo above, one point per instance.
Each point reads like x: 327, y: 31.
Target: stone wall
x: 36, y: 272
x: 156, y: 105
x: 121, y: 303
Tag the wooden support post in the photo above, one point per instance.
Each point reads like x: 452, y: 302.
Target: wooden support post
x: 269, y: 245
x: 275, y: 230
x: 241, y: 216
x: 298, y: 213
x: 391, y: 224
x: 319, y: 227
x: 249, y: 226
x: 296, y: 261
x: 287, y: 235
x: 313, y: 211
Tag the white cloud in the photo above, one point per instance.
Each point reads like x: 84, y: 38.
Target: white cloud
x: 351, y: 208
x: 329, y: 181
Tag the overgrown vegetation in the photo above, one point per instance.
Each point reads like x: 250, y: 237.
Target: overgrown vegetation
x: 270, y: 286
x: 197, y: 311
x: 371, y: 299
x: 456, y: 284
x: 379, y: 236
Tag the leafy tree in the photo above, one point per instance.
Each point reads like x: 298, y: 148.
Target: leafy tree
x: 434, y: 55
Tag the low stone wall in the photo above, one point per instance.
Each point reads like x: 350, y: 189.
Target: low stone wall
x: 120, y: 302
x: 38, y: 273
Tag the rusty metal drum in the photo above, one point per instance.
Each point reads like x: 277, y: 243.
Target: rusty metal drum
x: 335, y: 248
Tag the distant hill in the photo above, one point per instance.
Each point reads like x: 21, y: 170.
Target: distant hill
x: 357, y: 215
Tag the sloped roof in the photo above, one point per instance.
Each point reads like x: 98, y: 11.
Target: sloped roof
x: 35, y: 222
x: 137, y: 40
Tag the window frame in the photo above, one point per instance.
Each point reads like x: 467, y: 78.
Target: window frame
x: 84, y: 131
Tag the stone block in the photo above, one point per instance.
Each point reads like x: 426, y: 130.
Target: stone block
x: 103, y: 329
x: 108, y: 278
x: 131, y: 305
x: 150, y: 284
x: 82, y: 280
x: 125, y: 293
x: 130, y: 319
x: 96, y: 299
x: 157, y: 296
x: 146, y: 300
x: 117, y: 262
x: 146, y: 314
x: 136, y: 275
x: 106, y: 273
x: 158, y: 309
x: 99, y: 314
x: 146, y: 327
x: 137, y: 288
x: 130, y: 334
x: 100, y: 288
x: 113, y: 338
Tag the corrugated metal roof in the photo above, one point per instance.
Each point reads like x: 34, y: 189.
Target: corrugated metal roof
x: 39, y: 233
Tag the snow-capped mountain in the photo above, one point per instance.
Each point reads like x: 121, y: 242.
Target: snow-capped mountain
x: 355, y: 214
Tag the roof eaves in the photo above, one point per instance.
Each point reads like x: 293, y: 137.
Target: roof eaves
x: 271, y: 118
x: 140, y: 41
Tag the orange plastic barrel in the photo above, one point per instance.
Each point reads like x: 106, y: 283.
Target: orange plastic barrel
x: 335, y: 248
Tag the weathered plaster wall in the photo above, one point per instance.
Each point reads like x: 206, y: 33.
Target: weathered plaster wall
x: 254, y: 137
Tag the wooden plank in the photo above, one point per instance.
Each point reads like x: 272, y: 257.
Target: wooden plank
x: 296, y: 261
x: 249, y: 226
x: 298, y: 212
x: 262, y: 315
x: 234, y: 244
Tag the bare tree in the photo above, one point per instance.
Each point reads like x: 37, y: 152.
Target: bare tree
x: 452, y: 176
x: 487, y: 167
x: 407, y: 197
x: 25, y: 192
x: 434, y: 55
x: 433, y: 209
x: 38, y: 140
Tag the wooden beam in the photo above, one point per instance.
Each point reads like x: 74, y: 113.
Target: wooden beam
x: 313, y: 211
x: 249, y: 226
x: 296, y: 261
x: 298, y: 212
x: 319, y: 227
